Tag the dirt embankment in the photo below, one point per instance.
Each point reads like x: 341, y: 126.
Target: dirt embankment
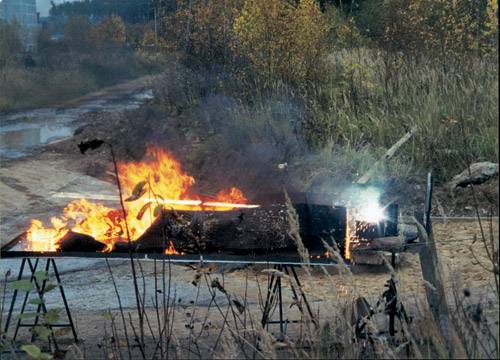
x: 250, y: 167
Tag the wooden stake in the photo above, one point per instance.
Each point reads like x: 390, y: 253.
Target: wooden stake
x: 432, y: 275
x: 387, y: 156
x: 429, y: 260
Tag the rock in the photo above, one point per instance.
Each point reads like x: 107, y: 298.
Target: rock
x: 477, y: 174
x: 74, y: 353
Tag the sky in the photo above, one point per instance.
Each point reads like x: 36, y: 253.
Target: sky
x: 43, y: 6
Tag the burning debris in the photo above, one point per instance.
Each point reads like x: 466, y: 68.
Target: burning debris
x: 152, y: 186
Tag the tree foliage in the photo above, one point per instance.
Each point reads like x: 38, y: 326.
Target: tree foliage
x: 439, y: 28
x: 281, y: 40
x: 78, y: 32
x: 132, y: 11
x: 203, y: 29
x: 10, y: 43
x: 112, y: 30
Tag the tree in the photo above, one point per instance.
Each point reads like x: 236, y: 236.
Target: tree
x: 282, y: 41
x: 10, y: 43
x: 132, y: 11
x: 204, y: 29
x: 150, y: 41
x: 78, y: 32
x: 112, y: 30
x: 442, y: 29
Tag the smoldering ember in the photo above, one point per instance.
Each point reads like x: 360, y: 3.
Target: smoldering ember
x: 198, y: 179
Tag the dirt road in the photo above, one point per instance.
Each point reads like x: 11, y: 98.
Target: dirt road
x: 30, y: 174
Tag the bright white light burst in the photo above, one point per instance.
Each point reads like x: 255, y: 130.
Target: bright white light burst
x: 371, y: 213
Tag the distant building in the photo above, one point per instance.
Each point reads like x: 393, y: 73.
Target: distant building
x: 24, y: 13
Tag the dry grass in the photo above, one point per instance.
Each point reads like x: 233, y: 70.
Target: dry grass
x: 358, y: 110
x: 229, y: 327
x: 223, y: 329
x: 73, y: 75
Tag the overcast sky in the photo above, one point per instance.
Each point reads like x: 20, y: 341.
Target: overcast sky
x: 43, y: 6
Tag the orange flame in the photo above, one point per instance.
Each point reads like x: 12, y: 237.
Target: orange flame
x: 164, y: 184
x: 45, y: 239
x: 170, y: 250
x: 347, y: 245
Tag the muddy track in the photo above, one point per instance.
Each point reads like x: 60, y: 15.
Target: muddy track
x: 31, y: 172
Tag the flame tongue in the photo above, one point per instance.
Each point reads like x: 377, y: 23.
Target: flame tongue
x: 45, y: 239
x: 163, y: 184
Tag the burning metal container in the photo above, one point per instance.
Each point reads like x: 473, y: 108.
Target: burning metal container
x: 262, y: 232
x: 161, y: 215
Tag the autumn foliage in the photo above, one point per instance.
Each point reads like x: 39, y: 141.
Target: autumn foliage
x: 112, y: 30
x: 282, y: 41
x: 440, y: 28
x: 274, y: 38
x: 359, y: 74
x: 289, y: 41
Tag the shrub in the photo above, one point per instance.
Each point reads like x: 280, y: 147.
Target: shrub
x: 203, y: 30
x: 10, y: 43
x: 111, y: 30
x: 440, y: 28
x: 281, y: 41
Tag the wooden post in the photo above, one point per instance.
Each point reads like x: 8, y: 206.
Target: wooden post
x: 429, y: 261
x: 431, y: 272
x: 387, y: 156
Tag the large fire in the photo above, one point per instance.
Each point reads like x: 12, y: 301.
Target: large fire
x: 155, y: 183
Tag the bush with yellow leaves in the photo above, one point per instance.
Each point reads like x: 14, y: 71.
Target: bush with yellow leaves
x: 443, y: 29
x: 203, y: 29
x: 112, y: 30
x: 282, y: 41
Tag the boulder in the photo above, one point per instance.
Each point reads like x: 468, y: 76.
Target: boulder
x: 478, y: 173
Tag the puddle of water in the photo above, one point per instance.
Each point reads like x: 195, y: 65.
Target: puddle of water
x: 22, y: 132
x: 16, y: 140
x: 145, y: 95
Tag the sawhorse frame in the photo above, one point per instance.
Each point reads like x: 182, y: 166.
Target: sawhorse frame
x: 41, y: 307
x: 274, y: 290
